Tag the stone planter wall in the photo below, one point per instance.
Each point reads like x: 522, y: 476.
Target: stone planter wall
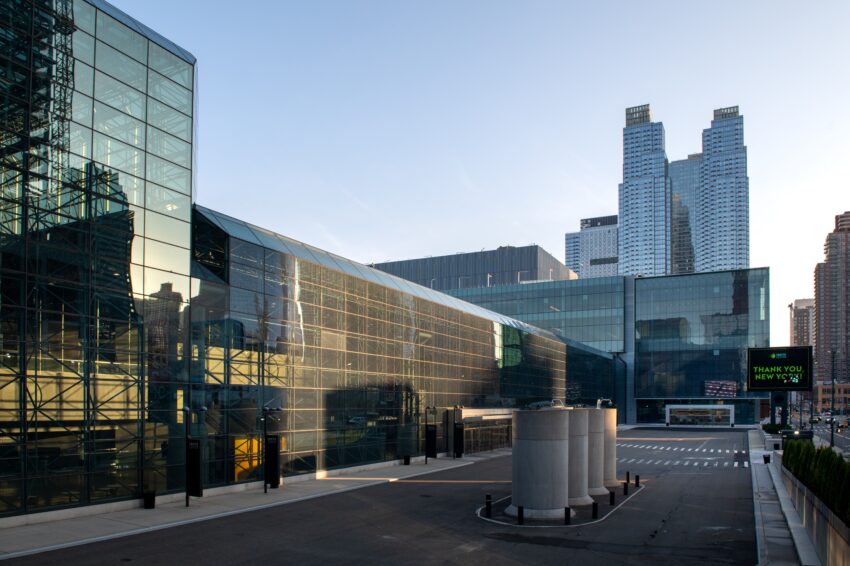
x: 830, y: 536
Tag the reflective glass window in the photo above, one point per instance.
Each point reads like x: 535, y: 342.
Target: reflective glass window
x: 168, y: 64
x: 121, y: 37
x: 171, y: 203
x: 84, y: 16
x: 119, y: 125
x: 118, y: 155
x: 157, y: 280
x: 120, y: 66
x: 166, y: 118
x: 170, y: 93
x: 81, y: 109
x: 80, y: 141
x: 169, y: 147
x: 169, y: 175
x: 167, y: 229
x: 83, y: 47
x: 118, y: 95
x: 164, y: 256
x: 83, y: 78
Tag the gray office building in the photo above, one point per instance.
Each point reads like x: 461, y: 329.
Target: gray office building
x: 503, y: 266
x: 592, y: 251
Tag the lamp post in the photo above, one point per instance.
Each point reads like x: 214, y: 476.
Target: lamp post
x: 832, y: 407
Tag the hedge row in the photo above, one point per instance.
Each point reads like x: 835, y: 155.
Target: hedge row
x: 823, y: 471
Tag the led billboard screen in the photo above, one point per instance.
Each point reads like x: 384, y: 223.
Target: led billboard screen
x: 780, y: 369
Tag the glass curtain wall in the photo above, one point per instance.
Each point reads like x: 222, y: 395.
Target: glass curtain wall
x: 691, y: 340
x: 95, y: 200
x: 351, y: 356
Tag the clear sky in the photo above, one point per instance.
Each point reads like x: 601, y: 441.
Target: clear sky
x: 394, y: 130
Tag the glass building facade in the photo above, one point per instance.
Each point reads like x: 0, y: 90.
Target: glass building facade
x: 691, y: 338
x: 352, y: 355
x: 684, y: 183
x: 95, y: 200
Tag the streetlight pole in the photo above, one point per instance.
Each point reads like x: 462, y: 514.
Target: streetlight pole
x: 832, y: 409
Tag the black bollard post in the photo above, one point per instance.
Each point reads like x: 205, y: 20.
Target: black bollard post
x: 628, y: 478
x: 611, y: 498
x: 594, y: 511
x: 625, y: 488
x: 567, y: 517
x: 488, y: 506
x: 520, y: 515
x: 637, y: 480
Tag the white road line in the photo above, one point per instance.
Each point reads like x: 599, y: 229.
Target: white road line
x: 706, y: 464
x: 639, y: 461
x: 686, y: 462
x: 716, y: 464
x: 736, y: 464
x: 630, y: 461
x: 725, y: 464
x: 668, y: 448
x: 667, y: 463
x: 746, y: 464
x: 689, y: 449
x: 676, y: 463
x: 705, y: 449
x: 712, y: 450
x: 658, y: 462
x: 727, y: 451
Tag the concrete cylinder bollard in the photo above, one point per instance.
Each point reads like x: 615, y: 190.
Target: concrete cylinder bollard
x: 609, y: 465
x: 595, y: 452
x: 540, y: 463
x: 578, y: 458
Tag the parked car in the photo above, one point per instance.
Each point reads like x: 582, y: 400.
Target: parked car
x: 813, y: 420
x: 829, y: 420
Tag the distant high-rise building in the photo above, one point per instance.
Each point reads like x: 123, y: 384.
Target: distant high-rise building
x: 723, y: 206
x: 802, y: 322
x: 592, y: 251
x: 644, y: 197
x: 684, y: 187
x: 832, y: 304
x: 505, y: 265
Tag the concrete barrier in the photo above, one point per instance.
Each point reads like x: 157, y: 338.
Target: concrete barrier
x: 540, y: 463
x: 578, y: 458
x: 609, y: 466
x: 596, y: 452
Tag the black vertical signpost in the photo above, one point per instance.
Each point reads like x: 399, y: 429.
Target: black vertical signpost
x: 194, y: 486
x: 430, y: 436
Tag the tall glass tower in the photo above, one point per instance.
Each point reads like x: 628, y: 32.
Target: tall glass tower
x: 644, y: 197
x: 684, y: 182
x: 723, y: 207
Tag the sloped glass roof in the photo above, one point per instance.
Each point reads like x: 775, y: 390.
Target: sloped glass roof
x: 141, y: 28
x: 256, y: 235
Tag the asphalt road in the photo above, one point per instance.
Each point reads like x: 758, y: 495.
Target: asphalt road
x: 688, y: 511
x: 842, y: 439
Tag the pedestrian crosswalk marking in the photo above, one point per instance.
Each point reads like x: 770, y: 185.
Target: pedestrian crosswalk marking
x: 736, y: 464
x: 746, y: 464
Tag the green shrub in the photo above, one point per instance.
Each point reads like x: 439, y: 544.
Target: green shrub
x: 823, y: 471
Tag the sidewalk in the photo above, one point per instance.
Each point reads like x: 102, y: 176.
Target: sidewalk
x: 34, y: 538
x: 782, y: 539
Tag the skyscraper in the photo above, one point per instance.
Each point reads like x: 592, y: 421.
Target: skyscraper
x: 802, y: 322
x: 832, y: 303
x: 644, y: 197
x: 592, y: 252
x: 723, y: 206
x: 684, y: 187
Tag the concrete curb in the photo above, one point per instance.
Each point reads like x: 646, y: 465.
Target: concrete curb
x: 802, y: 542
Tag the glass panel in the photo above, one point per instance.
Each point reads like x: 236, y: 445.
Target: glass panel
x: 120, y: 66
x: 119, y: 155
x: 156, y: 280
x: 120, y: 96
x: 170, y: 93
x: 83, y: 78
x: 169, y: 147
x: 172, y: 176
x: 170, y: 65
x: 84, y: 14
x: 170, y: 120
x: 81, y: 141
x: 83, y: 47
x: 167, y: 229
x: 119, y: 125
x: 81, y: 109
x: 165, y: 257
x: 121, y: 37
x: 169, y: 202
